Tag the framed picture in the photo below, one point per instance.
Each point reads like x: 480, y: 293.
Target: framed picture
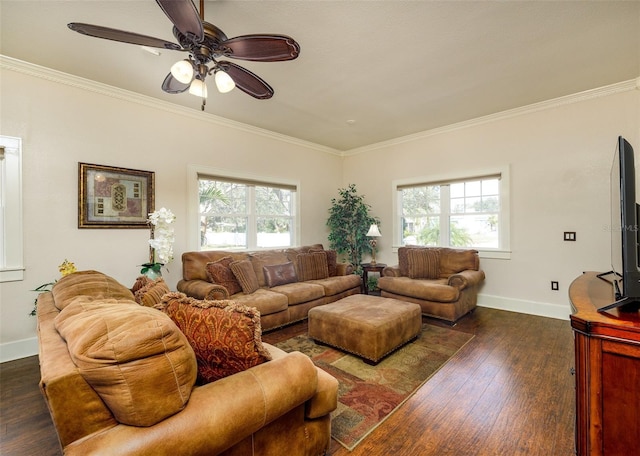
x: 110, y: 197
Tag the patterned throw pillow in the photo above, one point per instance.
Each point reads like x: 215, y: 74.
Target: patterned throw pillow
x: 151, y: 294
x: 280, y: 274
x: 220, y: 272
x: 312, y: 266
x: 423, y: 263
x: 226, y: 336
x: 246, y: 276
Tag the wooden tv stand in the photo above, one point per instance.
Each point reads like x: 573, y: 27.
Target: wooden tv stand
x: 607, y: 350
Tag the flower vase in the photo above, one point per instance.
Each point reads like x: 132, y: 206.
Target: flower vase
x: 152, y: 270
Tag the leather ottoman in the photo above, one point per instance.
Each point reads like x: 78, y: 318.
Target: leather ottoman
x: 370, y: 327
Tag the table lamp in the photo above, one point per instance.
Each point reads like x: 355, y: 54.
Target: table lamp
x: 372, y: 234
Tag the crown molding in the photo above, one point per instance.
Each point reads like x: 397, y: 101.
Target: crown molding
x: 620, y: 87
x: 30, y: 69
x: 49, y: 74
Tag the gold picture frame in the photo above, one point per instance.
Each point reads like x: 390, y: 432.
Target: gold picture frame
x: 112, y: 197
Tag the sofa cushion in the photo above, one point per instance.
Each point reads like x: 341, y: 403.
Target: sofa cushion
x: 435, y: 290
x: 279, y: 274
x: 150, y: 294
x: 268, y: 257
x: 300, y: 292
x: 193, y: 263
x: 266, y: 300
x: 312, y: 266
x: 225, y: 336
x: 134, y: 357
x: 243, y: 270
x: 423, y: 263
x: 88, y: 283
x: 453, y: 261
x: 220, y: 272
x: 339, y: 284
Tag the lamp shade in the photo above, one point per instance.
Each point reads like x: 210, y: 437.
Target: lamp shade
x: 182, y: 71
x: 198, y: 88
x: 224, y: 83
x: 374, y: 231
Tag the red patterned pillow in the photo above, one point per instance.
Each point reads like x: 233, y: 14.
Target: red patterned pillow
x: 226, y: 336
x: 220, y: 272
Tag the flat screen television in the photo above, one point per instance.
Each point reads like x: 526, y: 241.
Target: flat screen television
x: 625, y: 236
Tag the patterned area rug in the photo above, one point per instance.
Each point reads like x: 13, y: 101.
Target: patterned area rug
x: 370, y: 394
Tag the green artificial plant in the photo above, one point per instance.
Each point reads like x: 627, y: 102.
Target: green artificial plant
x: 349, y: 220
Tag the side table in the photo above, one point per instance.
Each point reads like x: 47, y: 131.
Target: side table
x: 366, y: 269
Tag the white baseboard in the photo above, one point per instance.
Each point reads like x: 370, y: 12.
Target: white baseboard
x: 542, y: 309
x: 18, y: 349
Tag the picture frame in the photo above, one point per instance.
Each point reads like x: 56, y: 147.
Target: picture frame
x: 113, y: 197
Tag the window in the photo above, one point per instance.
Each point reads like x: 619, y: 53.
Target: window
x: 245, y: 214
x: 11, y: 259
x: 461, y: 212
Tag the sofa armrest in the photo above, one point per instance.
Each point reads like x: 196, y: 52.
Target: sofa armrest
x: 391, y: 271
x: 466, y: 278
x: 326, y: 398
x: 217, y: 416
x: 343, y: 269
x: 201, y: 289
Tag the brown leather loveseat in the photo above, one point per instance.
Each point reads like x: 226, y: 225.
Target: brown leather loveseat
x: 444, y: 281
x: 283, y: 284
x: 119, y: 379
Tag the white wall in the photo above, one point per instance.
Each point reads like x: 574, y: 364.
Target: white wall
x: 62, y: 124
x: 559, y: 159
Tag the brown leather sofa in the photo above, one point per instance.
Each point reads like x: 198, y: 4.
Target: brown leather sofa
x: 122, y: 398
x: 279, y: 304
x: 444, y: 281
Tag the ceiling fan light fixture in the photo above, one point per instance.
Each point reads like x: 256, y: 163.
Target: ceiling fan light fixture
x: 182, y: 71
x: 224, y: 82
x: 198, y: 88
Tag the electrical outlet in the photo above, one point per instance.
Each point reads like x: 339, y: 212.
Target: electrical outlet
x: 554, y: 285
x: 569, y: 235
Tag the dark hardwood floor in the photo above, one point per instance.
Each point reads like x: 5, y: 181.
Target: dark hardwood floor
x: 507, y: 392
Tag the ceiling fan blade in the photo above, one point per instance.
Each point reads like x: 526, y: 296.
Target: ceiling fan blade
x: 122, y: 36
x: 246, y: 81
x: 172, y: 85
x: 184, y: 16
x: 261, y: 48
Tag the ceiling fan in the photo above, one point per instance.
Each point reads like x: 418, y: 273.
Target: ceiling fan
x: 205, y: 44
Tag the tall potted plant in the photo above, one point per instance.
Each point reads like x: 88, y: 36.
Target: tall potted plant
x: 349, y: 220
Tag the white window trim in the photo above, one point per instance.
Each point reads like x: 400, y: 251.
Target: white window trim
x: 504, y: 252
x: 193, y: 205
x: 11, y: 247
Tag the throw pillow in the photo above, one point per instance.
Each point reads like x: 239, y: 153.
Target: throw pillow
x: 332, y: 260
x: 243, y: 271
x: 280, y: 274
x: 134, y: 357
x: 312, y: 266
x: 150, y: 294
x: 225, y: 336
x: 219, y: 272
x: 423, y: 263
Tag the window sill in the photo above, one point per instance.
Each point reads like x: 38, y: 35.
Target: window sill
x: 11, y: 275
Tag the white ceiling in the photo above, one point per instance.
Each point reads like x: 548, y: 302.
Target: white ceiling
x: 368, y: 71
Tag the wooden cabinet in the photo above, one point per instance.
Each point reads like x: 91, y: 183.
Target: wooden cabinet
x: 607, y: 351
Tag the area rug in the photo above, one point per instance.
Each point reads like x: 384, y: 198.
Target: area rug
x: 367, y: 394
